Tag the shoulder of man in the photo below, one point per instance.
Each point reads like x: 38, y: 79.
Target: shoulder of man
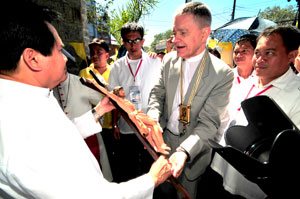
x: 118, y: 63
x: 150, y: 60
x: 294, y: 82
x: 86, y: 72
x: 171, y: 56
x: 220, y: 64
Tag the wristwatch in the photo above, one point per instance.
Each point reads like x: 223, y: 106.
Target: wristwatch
x: 184, y: 151
x: 96, y: 115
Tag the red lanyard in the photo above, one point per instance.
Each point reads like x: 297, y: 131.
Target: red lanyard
x: 137, y: 70
x: 256, y: 93
x: 238, y: 79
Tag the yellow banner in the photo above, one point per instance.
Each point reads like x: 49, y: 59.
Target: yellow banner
x: 79, y: 48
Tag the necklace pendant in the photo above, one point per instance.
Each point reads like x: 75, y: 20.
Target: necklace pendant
x: 184, y: 114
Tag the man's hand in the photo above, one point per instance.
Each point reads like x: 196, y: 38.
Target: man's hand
x: 152, y: 55
x: 116, y: 132
x: 160, y: 170
x: 104, y: 106
x: 177, y: 160
x: 170, y: 44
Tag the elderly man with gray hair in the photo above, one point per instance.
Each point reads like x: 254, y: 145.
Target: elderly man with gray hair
x: 191, y: 96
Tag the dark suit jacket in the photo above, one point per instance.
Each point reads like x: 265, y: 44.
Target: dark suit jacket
x: 208, y: 105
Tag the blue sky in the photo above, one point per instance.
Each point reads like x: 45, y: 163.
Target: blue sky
x: 161, y: 18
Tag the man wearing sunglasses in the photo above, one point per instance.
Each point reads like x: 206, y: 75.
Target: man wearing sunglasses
x: 137, y: 73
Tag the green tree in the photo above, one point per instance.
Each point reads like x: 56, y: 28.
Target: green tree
x: 111, y: 23
x: 98, y: 15
x: 134, y: 10
x: 161, y: 36
x: 281, y: 16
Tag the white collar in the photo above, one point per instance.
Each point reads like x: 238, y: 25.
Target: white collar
x: 131, y: 60
x: 196, y: 58
x: 281, y: 81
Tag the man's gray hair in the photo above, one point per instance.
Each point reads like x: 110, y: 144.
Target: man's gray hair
x: 201, y: 13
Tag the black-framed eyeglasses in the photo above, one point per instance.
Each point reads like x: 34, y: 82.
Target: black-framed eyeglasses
x: 135, y: 41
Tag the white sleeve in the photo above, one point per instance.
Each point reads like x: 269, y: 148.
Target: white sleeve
x: 87, y: 125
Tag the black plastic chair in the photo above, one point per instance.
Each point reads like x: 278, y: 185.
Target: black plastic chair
x: 267, y: 151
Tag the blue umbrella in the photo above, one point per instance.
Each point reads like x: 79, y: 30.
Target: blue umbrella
x: 230, y: 35
x: 231, y: 31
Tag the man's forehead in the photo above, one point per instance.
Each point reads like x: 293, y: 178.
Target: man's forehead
x: 271, y: 42
x: 58, y: 41
x: 243, y: 44
x: 133, y: 33
x: 179, y: 28
x: 97, y: 47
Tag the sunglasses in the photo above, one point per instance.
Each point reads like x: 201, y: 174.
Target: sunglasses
x: 135, y: 41
x: 68, y: 55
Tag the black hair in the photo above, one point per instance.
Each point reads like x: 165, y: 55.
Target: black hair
x: 289, y: 34
x: 23, y: 25
x: 131, y: 26
x: 215, y: 52
x: 248, y: 37
x: 99, y: 42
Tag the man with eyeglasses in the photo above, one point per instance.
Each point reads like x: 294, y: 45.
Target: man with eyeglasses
x: 137, y: 73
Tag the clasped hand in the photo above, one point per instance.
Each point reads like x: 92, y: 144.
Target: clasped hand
x: 177, y: 161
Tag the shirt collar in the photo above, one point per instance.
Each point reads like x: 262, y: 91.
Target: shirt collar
x: 282, y: 81
x: 127, y: 58
x: 196, y: 58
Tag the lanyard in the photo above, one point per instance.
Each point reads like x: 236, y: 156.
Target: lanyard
x: 238, y: 79
x: 137, y: 70
x: 259, y: 93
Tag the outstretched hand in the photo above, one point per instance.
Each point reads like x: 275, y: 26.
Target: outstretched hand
x: 160, y: 170
x: 177, y: 160
x: 104, y: 106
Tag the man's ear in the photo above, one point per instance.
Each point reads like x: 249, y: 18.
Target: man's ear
x: 292, y: 55
x: 107, y: 56
x: 206, y: 32
x: 32, y: 58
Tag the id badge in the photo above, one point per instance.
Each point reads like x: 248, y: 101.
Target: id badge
x: 135, y: 94
x: 184, y: 114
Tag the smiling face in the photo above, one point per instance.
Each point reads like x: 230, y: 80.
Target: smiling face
x: 190, y: 39
x: 271, y: 59
x: 242, y: 54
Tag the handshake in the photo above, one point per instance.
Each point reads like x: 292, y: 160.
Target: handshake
x: 148, y: 128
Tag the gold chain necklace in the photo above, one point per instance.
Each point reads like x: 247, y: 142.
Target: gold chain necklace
x: 185, y: 110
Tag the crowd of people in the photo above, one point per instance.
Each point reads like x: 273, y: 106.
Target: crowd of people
x: 71, y: 142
